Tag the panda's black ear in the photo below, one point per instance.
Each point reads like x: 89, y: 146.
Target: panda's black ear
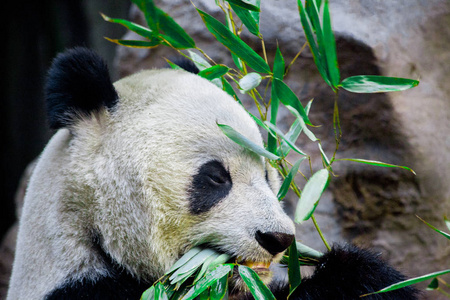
x: 78, y: 83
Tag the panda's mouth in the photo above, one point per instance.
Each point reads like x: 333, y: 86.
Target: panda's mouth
x: 261, y: 268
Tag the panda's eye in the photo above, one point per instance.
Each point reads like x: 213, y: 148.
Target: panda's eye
x: 217, y: 179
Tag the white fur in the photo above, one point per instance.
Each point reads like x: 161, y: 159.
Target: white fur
x: 126, y: 175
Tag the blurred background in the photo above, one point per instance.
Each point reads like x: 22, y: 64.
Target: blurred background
x: 369, y: 206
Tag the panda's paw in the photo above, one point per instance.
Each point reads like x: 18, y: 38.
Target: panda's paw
x: 347, y: 272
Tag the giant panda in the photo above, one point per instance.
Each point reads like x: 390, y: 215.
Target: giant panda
x: 138, y: 172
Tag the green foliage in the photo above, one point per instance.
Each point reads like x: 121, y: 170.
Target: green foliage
x: 204, y: 273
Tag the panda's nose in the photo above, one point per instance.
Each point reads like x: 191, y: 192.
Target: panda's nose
x: 274, y: 242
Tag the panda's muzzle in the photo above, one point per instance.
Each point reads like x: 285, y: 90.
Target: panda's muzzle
x: 274, y: 242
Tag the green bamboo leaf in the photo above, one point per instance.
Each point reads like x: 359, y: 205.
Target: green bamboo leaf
x: 160, y: 292
x: 149, y: 294
x: 191, y: 266
x: 434, y: 228
x: 293, y: 133
x: 279, y: 133
x: 230, y: 91
x: 244, y: 4
x: 246, y: 18
x: 301, y: 122
x: 204, y: 295
x: 245, y: 142
x: 293, y: 268
x: 288, y: 98
x: 234, y: 43
x: 288, y: 180
x: 150, y: 12
x: 278, y: 72
x: 278, y: 65
x: 305, y: 251
x: 329, y: 44
x: 376, y: 163
x: 434, y: 284
x: 221, y: 259
x: 255, y: 14
x: 141, y: 30
x: 318, y: 60
x: 311, y: 195
x: 325, y: 159
x: 199, y: 61
x: 258, y: 289
x: 205, y: 266
x: 377, y: 84
x: 409, y: 282
x: 447, y: 222
x: 219, y: 289
x: 263, y: 125
x: 136, y: 44
x: 173, y: 32
x: 185, y: 258
x: 208, y: 280
x: 249, y: 82
x: 173, y: 65
x: 214, y: 72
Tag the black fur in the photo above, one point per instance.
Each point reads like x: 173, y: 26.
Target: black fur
x: 211, y: 184
x: 78, y: 83
x: 117, y: 284
x: 347, y: 273
x: 187, y: 65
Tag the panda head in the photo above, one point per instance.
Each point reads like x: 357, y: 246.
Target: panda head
x: 150, y: 174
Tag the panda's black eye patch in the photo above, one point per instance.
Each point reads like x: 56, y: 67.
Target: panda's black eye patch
x: 211, y: 184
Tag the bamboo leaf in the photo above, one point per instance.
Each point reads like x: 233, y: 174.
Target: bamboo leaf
x: 234, y: 43
x: 191, y: 266
x: 278, y: 72
x: 205, y: 266
x: 301, y: 122
x: 214, y: 72
x: 376, y: 163
x: 288, y: 98
x: 173, y: 32
x: 150, y: 12
x: 318, y: 60
x: 255, y: 14
x: 221, y: 259
x: 149, y: 294
x: 199, y: 62
x: 141, y: 30
x: 246, y: 18
x: 136, y: 44
x: 219, y: 289
x: 434, y: 284
x: 447, y: 222
x: 208, y: 280
x: 249, y: 82
x: 294, y: 132
x: 245, y: 142
x: 377, y: 84
x: 434, y: 228
x: 325, y: 159
x: 173, y: 65
x: 288, y: 180
x: 229, y: 89
x: 258, y: 289
x: 244, y: 4
x: 160, y: 292
x: 293, y: 268
x: 185, y: 258
x: 305, y: 251
x: 329, y: 44
x: 279, y: 133
x: 409, y: 282
x: 311, y: 195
